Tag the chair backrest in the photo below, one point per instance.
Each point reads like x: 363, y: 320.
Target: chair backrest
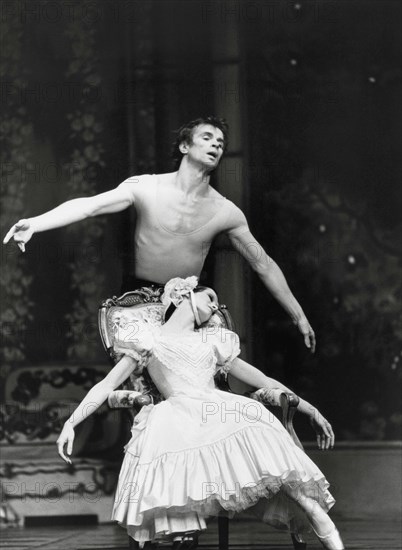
x: 130, y: 309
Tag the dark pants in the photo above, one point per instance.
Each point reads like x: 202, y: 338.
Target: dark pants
x: 131, y: 282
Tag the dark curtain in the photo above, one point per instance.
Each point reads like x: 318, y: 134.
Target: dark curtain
x: 324, y: 99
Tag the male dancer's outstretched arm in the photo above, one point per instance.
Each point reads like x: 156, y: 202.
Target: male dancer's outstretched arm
x: 270, y: 274
x: 69, y: 212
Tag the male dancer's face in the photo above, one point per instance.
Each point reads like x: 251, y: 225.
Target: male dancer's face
x: 206, y: 146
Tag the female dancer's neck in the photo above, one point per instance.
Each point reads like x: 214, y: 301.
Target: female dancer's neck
x: 182, y: 320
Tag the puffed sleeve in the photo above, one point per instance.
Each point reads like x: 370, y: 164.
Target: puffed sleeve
x: 134, y: 338
x: 226, y: 347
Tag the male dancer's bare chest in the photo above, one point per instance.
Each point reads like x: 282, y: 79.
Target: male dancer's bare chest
x: 184, y: 215
x: 186, y: 218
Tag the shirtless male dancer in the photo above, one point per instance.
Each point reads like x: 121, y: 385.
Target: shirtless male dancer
x: 178, y: 216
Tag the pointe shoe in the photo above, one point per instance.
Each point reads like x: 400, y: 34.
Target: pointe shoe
x: 332, y: 541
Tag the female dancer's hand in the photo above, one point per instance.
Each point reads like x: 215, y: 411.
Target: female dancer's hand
x: 323, y: 430
x: 21, y: 232
x: 67, y: 436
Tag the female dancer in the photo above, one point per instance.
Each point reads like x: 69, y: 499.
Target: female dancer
x: 203, y: 451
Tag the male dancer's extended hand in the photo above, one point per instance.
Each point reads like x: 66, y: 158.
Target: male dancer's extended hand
x: 308, y: 334
x: 21, y: 232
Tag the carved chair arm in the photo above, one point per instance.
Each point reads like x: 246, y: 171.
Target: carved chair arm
x: 287, y: 401
x: 128, y: 399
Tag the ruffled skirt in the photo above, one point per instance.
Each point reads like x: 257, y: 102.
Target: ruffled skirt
x: 191, y: 457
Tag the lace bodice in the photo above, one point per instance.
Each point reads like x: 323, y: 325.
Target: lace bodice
x: 188, y: 357
x: 178, y: 362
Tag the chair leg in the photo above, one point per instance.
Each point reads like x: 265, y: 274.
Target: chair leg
x: 298, y: 542
x: 223, y: 533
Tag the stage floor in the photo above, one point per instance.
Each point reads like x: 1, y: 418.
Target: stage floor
x: 245, y: 534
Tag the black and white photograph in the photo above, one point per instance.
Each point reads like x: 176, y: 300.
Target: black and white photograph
x: 201, y: 283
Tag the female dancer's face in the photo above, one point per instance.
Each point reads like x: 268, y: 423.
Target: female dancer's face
x: 207, y: 303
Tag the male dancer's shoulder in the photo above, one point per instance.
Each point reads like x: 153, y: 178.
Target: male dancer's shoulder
x: 135, y: 186
x: 236, y: 222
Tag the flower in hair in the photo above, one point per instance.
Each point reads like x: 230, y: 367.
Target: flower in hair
x: 176, y: 289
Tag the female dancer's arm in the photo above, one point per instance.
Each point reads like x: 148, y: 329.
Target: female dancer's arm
x: 92, y: 401
x: 248, y: 374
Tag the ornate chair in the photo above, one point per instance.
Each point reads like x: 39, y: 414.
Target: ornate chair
x: 145, y: 305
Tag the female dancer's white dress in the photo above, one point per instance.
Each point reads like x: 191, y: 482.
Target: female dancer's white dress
x: 203, y: 451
